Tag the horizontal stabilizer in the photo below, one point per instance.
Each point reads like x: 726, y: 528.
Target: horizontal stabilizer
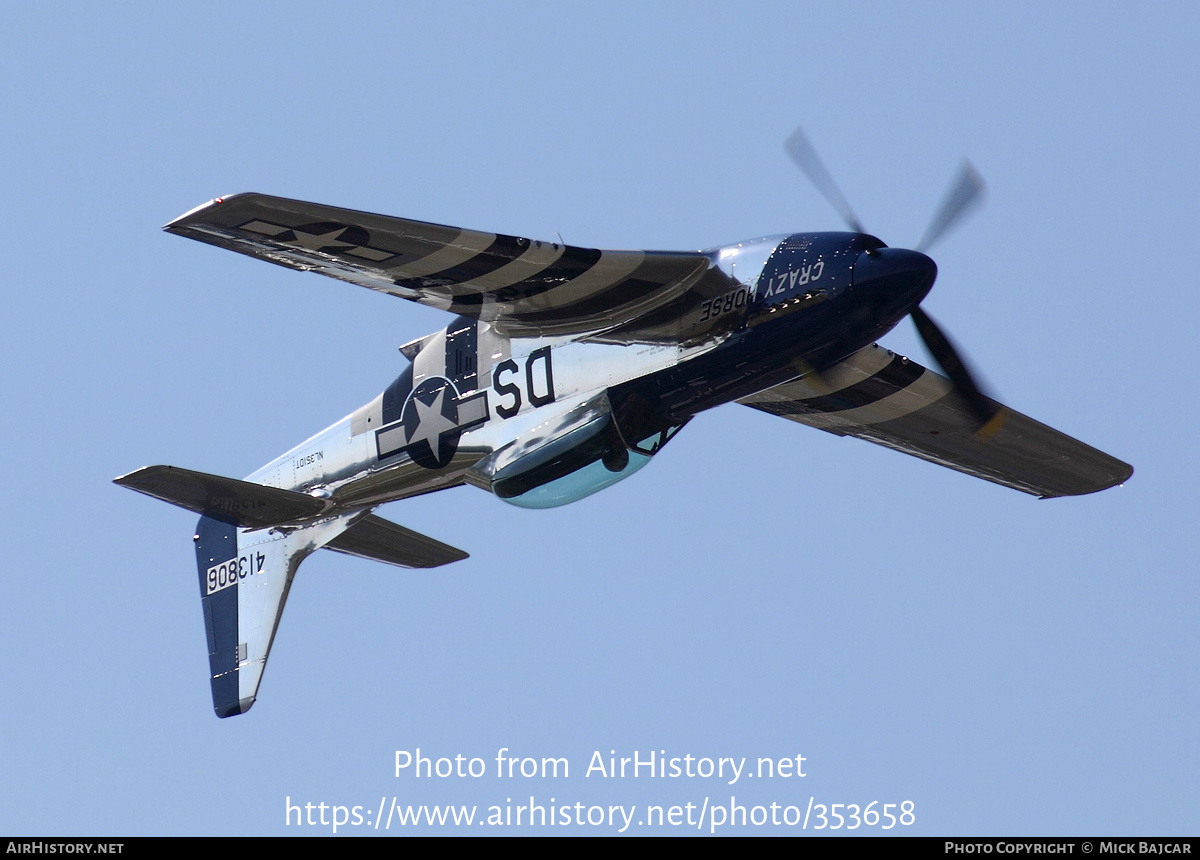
x: 379, y: 540
x: 228, y: 500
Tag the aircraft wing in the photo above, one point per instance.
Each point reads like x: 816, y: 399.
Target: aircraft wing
x: 523, y: 287
x: 893, y: 401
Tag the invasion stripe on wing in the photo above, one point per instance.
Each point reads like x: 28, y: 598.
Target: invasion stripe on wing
x: 926, y: 389
x: 898, y: 374
x: 530, y: 266
x: 899, y: 388
x: 498, y: 278
x: 642, y: 282
x: 502, y: 251
x: 468, y: 244
x: 514, y: 282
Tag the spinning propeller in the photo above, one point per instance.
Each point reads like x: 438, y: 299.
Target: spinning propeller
x: 965, y: 192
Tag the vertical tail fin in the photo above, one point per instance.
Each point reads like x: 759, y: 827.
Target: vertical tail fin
x: 249, y: 543
x: 245, y: 575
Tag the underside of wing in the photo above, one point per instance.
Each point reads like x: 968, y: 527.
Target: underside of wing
x: 523, y: 287
x: 893, y: 401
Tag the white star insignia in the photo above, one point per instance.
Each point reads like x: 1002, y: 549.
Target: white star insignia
x: 431, y: 423
x: 317, y: 241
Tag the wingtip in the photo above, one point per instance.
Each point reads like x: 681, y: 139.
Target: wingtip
x: 1122, y: 476
x: 129, y: 478
x: 1118, y: 480
x: 172, y: 225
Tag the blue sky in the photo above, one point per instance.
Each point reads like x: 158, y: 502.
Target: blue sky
x: 762, y: 590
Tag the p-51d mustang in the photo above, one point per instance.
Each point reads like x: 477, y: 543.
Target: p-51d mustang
x: 566, y: 369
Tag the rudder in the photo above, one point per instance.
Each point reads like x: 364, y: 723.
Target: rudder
x: 216, y: 560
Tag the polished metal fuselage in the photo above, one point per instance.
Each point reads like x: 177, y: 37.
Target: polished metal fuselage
x: 472, y: 393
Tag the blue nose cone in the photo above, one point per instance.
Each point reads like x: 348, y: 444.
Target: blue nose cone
x: 892, y: 281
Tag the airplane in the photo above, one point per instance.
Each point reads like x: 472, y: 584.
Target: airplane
x: 566, y: 369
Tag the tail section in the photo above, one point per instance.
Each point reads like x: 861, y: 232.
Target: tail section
x: 249, y: 543
x: 245, y: 576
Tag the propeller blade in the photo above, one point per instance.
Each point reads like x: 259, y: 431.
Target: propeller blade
x: 966, y: 191
x: 989, y: 414
x: 806, y: 158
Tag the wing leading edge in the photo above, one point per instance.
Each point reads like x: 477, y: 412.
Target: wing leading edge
x: 893, y: 401
x: 524, y: 287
